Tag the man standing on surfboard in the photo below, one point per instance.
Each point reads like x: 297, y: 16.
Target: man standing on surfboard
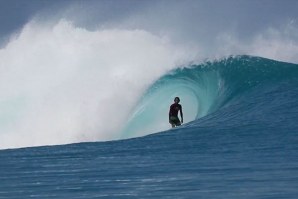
x: 173, y: 113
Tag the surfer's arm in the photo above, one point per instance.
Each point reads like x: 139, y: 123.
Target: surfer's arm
x: 181, y: 114
x: 170, y: 111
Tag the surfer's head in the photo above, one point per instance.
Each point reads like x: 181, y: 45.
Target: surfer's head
x: 177, y: 100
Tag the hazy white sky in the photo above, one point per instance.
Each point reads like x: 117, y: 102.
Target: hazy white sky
x: 258, y: 27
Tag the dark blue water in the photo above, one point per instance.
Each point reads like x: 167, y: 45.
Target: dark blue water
x: 243, y: 145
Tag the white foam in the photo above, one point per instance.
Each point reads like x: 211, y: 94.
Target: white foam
x: 63, y: 84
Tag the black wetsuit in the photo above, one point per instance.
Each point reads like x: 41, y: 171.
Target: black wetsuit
x: 173, y: 114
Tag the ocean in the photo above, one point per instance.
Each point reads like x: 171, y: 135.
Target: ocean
x: 239, y: 140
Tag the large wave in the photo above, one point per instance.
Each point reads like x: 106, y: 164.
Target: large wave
x: 206, y: 88
x: 62, y: 84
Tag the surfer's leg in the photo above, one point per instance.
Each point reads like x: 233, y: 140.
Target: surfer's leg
x: 173, y: 121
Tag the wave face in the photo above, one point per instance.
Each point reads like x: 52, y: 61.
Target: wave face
x: 241, y: 136
x: 209, y: 88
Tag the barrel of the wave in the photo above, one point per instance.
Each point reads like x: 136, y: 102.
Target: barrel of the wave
x: 196, y: 87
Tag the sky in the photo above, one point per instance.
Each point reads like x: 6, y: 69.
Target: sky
x: 212, y: 27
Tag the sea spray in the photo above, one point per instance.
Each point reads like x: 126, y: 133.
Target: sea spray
x: 62, y: 84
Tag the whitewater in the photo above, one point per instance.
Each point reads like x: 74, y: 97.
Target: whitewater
x: 63, y: 84
x: 84, y: 115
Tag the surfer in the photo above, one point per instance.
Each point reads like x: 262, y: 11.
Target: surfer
x: 173, y: 113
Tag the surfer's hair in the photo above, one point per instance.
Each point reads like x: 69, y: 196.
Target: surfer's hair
x: 177, y: 98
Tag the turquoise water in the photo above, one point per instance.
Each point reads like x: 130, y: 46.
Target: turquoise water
x: 240, y: 141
